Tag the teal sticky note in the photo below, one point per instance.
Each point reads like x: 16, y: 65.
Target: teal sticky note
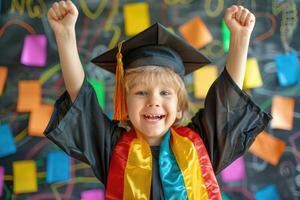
x: 225, y: 36
x: 287, y: 68
x: 7, y: 144
x: 99, y: 88
x: 267, y: 192
x: 224, y: 196
x: 58, y: 167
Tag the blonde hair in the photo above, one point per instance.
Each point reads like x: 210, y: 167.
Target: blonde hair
x: 153, y: 74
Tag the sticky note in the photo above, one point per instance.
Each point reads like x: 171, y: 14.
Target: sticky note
x: 34, y: 50
x: 136, y: 17
x: 203, y: 79
x: 234, y: 172
x: 267, y: 192
x: 29, y: 95
x: 225, y: 36
x: 196, y: 32
x: 25, y: 179
x: 39, y: 119
x: 252, y: 76
x: 58, y: 167
x: 7, y: 144
x: 282, y: 112
x: 224, y: 196
x: 287, y: 68
x: 99, y: 88
x: 3, y: 77
x: 268, y: 148
x: 1, y: 180
x: 92, y: 194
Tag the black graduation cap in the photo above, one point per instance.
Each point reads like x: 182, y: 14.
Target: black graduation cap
x: 155, y: 46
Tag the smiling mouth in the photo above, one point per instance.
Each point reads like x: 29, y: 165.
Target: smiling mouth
x: 154, y: 117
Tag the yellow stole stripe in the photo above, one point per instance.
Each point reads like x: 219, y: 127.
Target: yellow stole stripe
x: 184, y: 150
x: 138, y: 171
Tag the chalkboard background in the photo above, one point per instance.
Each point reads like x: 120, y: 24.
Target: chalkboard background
x: 276, y: 31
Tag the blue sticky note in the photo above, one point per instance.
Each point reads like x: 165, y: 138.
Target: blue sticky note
x: 287, y: 68
x: 58, y: 167
x: 7, y: 145
x: 268, y: 192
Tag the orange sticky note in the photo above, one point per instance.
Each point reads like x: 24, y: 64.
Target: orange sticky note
x: 203, y: 79
x: 3, y: 76
x: 25, y: 179
x: 282, y: 112
x: 252, y: 76
x: 39, y: 118
x: 268, y: 148
x: 29, y: 95
x: 196, y: 32
x: 136, y: 17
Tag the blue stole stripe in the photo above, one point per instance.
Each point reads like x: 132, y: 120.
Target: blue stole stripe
x: 170, y: 174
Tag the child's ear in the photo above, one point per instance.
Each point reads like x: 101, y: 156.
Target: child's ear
x: 179, y: 114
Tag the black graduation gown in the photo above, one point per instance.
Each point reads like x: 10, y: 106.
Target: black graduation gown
x: 228, y: 125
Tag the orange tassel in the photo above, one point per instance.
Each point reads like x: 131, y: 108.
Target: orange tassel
x: 120, y: 111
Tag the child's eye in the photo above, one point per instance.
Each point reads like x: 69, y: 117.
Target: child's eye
x: 141, y: 93
x: 165, y: 93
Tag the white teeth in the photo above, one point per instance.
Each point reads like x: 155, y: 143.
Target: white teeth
x: 154, y: 116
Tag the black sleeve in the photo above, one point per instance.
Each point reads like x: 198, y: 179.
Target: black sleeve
x: 229, y: 122
x: 83, y: 131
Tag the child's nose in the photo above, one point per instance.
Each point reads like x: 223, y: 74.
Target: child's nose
x: 153, y: 105
x: 153, y: 101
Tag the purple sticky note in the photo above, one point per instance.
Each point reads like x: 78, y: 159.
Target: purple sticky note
x: 34, y: 50
x: 92, y: 194
x: 287, y: 68
x: 1, y: 179
x: 235, y: 171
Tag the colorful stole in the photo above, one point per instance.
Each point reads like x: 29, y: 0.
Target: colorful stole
x: 184, y: 166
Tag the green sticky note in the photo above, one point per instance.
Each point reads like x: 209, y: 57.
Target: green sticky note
x: 224, y: 196
x: 225, y: 36
x: 99, y: 87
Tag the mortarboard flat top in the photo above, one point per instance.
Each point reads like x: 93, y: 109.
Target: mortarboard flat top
x: 155, y: 46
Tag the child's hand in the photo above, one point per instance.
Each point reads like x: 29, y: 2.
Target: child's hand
x: 239, y: 20
x: 62, y: 16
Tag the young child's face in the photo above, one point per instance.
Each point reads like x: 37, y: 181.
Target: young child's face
x: 152, y: 109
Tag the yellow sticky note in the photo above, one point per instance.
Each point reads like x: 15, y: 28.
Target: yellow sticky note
x: 136, y: 17
x: 203, y: 79
x: 282, y: 112
x: 25, y: 179
x: 268, y: 148
x: 3, y: 76
x: 196, y: 32
x: 29, y: 95
x: 39, y: 118
x: 252, y: 76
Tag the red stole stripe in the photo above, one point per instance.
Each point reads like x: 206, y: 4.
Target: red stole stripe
x: 115, y: 181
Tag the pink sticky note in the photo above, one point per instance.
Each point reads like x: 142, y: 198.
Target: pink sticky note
x: 235, y: 171
x: 1, y: 179
x: 92, y: 194
x: 34, y: 50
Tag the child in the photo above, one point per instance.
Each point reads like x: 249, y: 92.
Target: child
x: 158, y: 157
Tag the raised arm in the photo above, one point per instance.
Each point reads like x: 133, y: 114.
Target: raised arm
x: 62, y: 17
x: 240, y: 23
